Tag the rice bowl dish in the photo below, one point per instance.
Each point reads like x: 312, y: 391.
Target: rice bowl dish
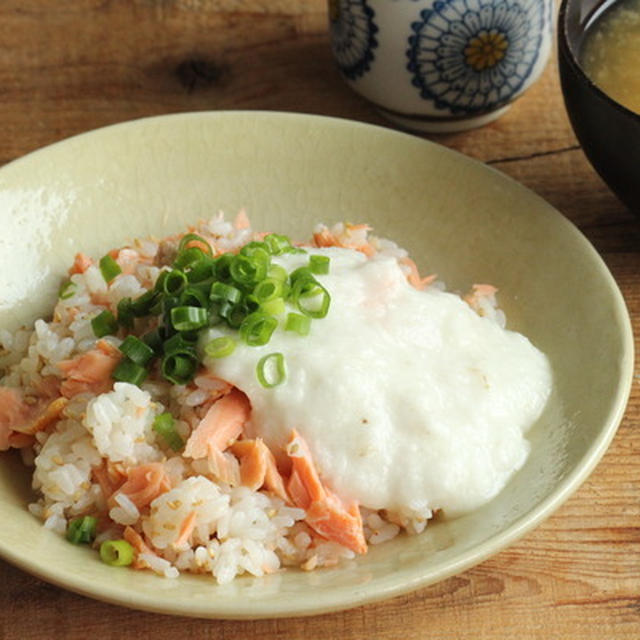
x: 158, y: 175
x: 223, y: 401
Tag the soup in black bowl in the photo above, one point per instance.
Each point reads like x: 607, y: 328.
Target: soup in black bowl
x: 599, y: 62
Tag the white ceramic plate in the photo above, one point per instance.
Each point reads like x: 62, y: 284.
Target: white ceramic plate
x: 457, y: 217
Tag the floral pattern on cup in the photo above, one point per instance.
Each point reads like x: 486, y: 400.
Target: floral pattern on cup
x: 472, y: 56
x: 352, y: 36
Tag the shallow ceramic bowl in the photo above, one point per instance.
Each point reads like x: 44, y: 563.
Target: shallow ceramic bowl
x: 456, y: 216
x: 608, y: 132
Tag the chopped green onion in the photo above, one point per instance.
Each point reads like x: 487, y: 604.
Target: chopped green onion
x: 104, y: 324
x: 189, y: 258
x: 154, y: 339
x: 222, y: 267
x: 256, y: 329
x: 174, y: 282
x: 189, y: 318
x: 301, y: 273
x: 311, y: 298
x: 82, y: 530
x: 116, y: 553
x: 164, y: 425
x: 179, y: 343
x: 158, y: 286
x: 319, y: 265
x: 129, y: 371
x: 67, y: 290
x: 277, y: 244
x: 136, y: 350
x: 247, y: 270
x: 190, y: 337
x: 109, y: 268
x: 214, y: 316
x: 199, y: 241
x: 142, y: 305
x: 125, y: 313
x: 201, y: 271
x: 234, y: 314
x: 250, y: 304
x: 226, y: 292
x: 179, y: 368
x: 164, y: 306
x: 274, y: 307
x: 193, y: 296
x: 252, y: 248
x: 219, y: 309
x: 277, y: 273
x: 220, y: 347
x: 271, y: 370
x: 268, y: 289
x: 298, y: 323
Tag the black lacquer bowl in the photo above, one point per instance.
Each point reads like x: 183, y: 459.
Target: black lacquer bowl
x: 608, y: 132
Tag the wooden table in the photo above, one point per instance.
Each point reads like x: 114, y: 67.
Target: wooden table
x: 72, y: 65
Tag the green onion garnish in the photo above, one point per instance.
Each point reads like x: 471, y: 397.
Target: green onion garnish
x: 268, y: 289
x: 234, y: 314
x: 154, y: 339
x: 311, y: 298
x: 174, y: 282
x: 243, y: 290
x: 193, y: 296
x: 225, y: 292
x: 82, y: 530
x: 220, y: 347
x: 116, y: 553
x: 277, y: 272
x: 125, y: 313
x: 179, y: 368
x: 277, y: 244
x: 222, y: 267
x: 197, y: 241
x: 271, y: 370
x: 129, y: 371
x: 104, y: 324
x: 189, y: 318
x: 109, y: 268
x: 136, y: 350
x: 67, y: 290
x: 301, y: 273
x: 201, y: 271
x: 142, y: 306
x: 274, y: 307
x: 247, y: 270
x: 189, y: 258
x: 179, y: 343
x: 254, y: 248
x: 164, y: 306
x: 256, y: 329
x: 160, y: 281
x: 298, y: 323
x: 319, y: 265
x: 164, y: 425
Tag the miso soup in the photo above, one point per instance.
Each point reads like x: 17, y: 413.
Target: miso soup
x: 610, y: 54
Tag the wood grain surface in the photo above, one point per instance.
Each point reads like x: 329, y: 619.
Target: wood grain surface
x: 73, y: 65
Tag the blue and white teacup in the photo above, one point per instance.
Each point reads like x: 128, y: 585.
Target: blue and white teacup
x: 441, y: 65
